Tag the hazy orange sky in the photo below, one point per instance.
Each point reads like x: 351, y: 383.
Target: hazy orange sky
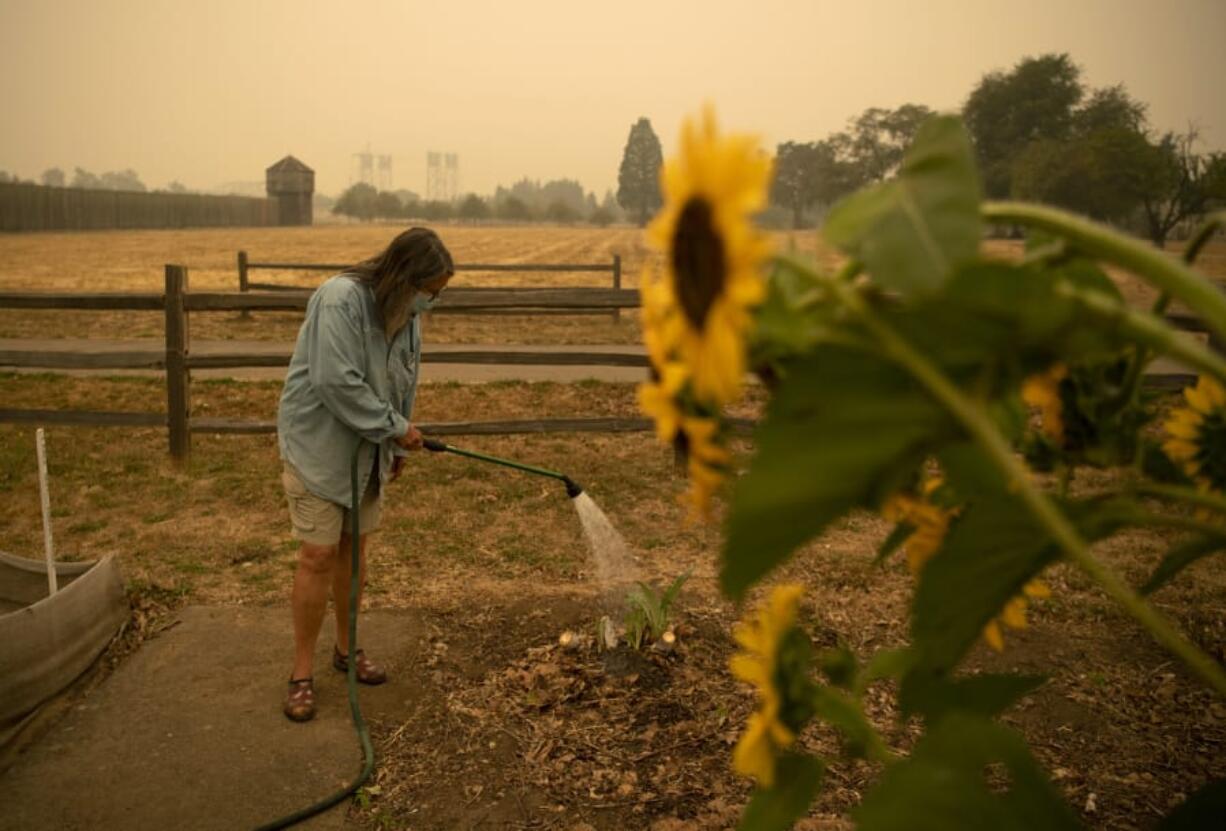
x: 213, y: 92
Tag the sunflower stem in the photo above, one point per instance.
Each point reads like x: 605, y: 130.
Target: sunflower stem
x: 1152, y: 331
x: 1166, y: 273
x: 980, y: 427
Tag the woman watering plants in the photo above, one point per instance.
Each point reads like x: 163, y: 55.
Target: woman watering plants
x: 353, y: 376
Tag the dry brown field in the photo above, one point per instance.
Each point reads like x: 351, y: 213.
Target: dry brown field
x: 134, y: 260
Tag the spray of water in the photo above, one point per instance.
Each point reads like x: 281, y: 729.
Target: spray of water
x: 615, y: 565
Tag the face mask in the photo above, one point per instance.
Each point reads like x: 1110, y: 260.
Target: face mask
x: 423, y: 302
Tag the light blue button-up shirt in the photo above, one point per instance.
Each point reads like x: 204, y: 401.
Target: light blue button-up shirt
x: 346, y: 380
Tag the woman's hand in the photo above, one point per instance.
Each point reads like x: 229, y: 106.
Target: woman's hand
x: 411, y: 440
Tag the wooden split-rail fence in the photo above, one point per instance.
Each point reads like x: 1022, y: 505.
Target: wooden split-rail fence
x: 177, y: 361
x: 613, y: 269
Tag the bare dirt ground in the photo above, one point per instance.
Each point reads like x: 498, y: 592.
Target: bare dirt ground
x: 512, y: 732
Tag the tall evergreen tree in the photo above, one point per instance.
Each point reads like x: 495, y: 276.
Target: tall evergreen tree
x: 638, y: 180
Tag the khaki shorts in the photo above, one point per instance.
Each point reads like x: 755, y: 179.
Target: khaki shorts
x: 319, y: 521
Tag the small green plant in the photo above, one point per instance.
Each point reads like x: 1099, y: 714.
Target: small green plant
x: 647, y: 618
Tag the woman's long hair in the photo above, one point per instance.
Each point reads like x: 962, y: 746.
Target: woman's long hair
x: 414, y: 257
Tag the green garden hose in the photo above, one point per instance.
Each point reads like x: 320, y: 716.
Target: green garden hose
x: 368, y: 751
x: 573, y: 488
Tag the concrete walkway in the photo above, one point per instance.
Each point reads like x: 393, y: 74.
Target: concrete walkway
x: 188, y: 733
x: 465, y: 373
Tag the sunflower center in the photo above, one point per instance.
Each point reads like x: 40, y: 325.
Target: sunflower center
x: 698, y: 261
x: 1211, y: 455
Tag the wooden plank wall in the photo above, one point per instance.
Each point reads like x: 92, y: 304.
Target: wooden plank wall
x: 28, y: 207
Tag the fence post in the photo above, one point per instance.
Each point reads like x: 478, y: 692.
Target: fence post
x: 178, y: 391
x: 242, y: 280
x: 617, y: 283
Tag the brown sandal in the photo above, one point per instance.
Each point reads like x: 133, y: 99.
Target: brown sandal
x: 300, y: 701
x: 368, y: 671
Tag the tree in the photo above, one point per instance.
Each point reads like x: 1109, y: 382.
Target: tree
x: 1184, y: 184
x: 795, y: 186
x: 561, y: 212
x: 638, y: 180
x: 1112, y: 168
x: 127, y: 180
x: 609, y: 205
x: 357, y: 202
x: 473, y: 208
x: 82, y: 178
x: 514, y: 209
x: 388, y: 205
x: 6, y: 177
x: 1008, y: 111
x: 437, y: 209
x: 877, y: 139
x: 53, y: 177
x: 1101, y: 168
x: 567, y: 191
x: 601, y: 217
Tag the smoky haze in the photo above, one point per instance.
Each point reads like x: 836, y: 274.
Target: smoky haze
x: 208, y: 93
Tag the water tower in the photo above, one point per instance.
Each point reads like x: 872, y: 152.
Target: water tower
x: 292, y: 184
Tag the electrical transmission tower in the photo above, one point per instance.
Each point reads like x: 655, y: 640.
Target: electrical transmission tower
x: 385, y: 173
x: 442, y: 176
x: 364, y: 167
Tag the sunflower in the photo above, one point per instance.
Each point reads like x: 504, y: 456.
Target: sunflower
x: 707, y: 461
x: 1042, y: 391
x: 701, y: 309
x: 930, y: 523
x: 1197, y: 435
x: 1013, y: 615
x: 658, y: 399
x: 764, y: 638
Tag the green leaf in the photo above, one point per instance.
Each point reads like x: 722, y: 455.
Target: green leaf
x: 797, y: 779
x: 844, y: 713
x: 788, y: 322
x: 987, y: 694
x: 1180, y: 557
x: 992, y: 549
x: 1087, y: 276
x: 843, y: 430
x: 942, y: 785
x: 913, y: 231
x: 1203, y: 810
x: 885, y: 663
x: 839, y: 666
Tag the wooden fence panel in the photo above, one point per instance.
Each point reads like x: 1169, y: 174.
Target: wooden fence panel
x: 30, y: 207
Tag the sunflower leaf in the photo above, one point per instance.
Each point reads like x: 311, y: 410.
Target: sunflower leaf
x: 844, y: 429
x: 942, y: 784
x: 968, y: 581
x: 987, y: 694
x: 1180, y: 557
x: 912, y: 231
x: 797, y: 780
x: 845, y: 714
